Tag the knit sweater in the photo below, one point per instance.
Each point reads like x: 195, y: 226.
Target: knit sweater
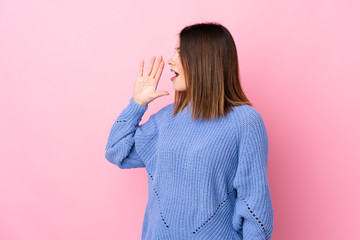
x: 207, y: 179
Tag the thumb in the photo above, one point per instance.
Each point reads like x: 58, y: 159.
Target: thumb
x: 163, y: 93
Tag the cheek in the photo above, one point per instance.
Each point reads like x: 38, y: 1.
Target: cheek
x: 180, y: 68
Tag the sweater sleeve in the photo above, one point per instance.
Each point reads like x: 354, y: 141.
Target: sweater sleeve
x: 120, y: 148
x: 253, y: 213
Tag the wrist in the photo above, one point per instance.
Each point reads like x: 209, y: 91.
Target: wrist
x: 139, y: 102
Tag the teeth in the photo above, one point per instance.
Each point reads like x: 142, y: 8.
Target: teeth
x: 176, y: 74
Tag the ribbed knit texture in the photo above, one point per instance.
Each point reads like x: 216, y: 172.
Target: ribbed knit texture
x: 207, y: 179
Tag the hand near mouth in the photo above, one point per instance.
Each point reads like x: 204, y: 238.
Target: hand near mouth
x: 146, y: 84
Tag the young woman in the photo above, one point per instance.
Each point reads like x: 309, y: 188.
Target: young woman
x: 207, y: 173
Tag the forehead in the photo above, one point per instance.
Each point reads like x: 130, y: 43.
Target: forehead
x: 177, y: 46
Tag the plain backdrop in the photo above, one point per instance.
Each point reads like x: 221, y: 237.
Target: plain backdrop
x: 67, y: 69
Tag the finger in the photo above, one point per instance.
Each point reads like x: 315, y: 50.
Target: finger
x: 162, y: 93
x: 158, y: 73
x: 156, y: 68
x: 140, y: 73
x: 150, y: 66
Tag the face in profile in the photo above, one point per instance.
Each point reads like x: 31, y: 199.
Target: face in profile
x: 178, y: 79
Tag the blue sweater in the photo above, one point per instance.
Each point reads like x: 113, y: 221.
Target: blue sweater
x: 207, y: 180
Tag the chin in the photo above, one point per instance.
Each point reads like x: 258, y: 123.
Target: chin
x: 178, y: 90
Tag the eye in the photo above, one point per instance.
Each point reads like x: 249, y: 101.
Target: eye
x: 177, y: 50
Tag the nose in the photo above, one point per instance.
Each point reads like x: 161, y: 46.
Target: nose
x: 171, y: 61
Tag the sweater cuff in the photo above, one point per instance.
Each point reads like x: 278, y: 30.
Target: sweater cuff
x: 133, y: 112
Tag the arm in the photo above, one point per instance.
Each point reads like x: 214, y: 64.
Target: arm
x: 253, y: 213
x: 120, y: 147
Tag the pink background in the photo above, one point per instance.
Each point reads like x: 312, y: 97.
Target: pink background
x: 67, y: 69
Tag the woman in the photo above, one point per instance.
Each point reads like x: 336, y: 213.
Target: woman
x: 207, y: 173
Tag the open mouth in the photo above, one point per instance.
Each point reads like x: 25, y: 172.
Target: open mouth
x: 176, y: 75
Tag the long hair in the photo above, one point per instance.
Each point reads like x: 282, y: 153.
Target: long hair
x: 209, y: 58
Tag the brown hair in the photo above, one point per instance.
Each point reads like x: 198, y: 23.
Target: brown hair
x: 209, y: 58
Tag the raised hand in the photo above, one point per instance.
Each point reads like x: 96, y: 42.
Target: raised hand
x: 146, y: 84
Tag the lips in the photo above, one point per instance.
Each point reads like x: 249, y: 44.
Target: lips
x: 176, y: 74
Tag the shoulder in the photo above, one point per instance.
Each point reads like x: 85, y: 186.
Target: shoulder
x: 246, y: 114
x: 248, y: 121
x: 162, y: 113
x: 153, y: 124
